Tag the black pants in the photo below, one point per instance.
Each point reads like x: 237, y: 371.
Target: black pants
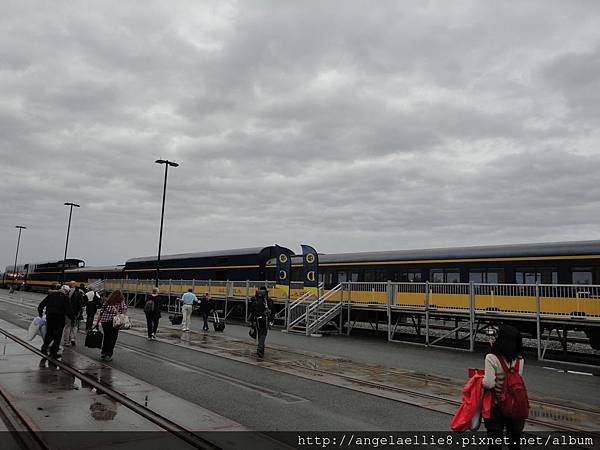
x: 205, y: 317
x: 110, y: 338
x: 54, y: 331
x: 496, y: 424
x: 262, y: 329
x: 89, y: 319
x: 152, y: 323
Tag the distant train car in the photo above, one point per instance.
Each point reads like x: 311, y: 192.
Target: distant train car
x: 547, y: 263
x: 238, y: 264
x: 86, y: 274
x: 39, y: 276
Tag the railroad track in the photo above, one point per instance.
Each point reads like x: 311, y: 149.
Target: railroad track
x: 180, y: 432
x: 22, y: 432
x: 296, y: 355
x: 557, y: 410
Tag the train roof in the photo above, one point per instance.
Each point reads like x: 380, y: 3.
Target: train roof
x: 96, y: 269
x: 488, y: 251
x: 570, y: 248
x: 196, y: 255
x: 40, y: 263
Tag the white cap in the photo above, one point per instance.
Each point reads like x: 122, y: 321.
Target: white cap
x: 65, y: 289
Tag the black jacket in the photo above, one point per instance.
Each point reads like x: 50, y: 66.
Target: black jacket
x: 156, y: 300
x: 56, y: 304
x: 77, y: 303
x: 206, y: 304
x: 260, y: 309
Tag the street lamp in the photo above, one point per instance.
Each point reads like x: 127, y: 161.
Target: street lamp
x: 167, y: 163
x: 62, y: 278
x: 20, y: 227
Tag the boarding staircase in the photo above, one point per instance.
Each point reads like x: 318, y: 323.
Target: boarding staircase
x: 308, y: 314
x: 96, y: 285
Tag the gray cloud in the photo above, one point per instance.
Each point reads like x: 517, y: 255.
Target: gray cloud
x: 341, y: 124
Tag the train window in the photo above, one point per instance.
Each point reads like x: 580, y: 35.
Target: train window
x: 342, y: 277
x: 476, y: 276
x: 381, y: 275
x: 354, y: 277
x: 486, y: 276
x: 414, y: 277
x: 452, y: 277
x: 582, y: 276
x: 437, y: 276
x: 369, y: 275
x: 328, y: 278
x: 445, y: 276
x: 536, y: 275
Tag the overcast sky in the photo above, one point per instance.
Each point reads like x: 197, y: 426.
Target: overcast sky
x: 348, y: 125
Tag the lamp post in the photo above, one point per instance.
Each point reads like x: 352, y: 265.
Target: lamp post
x: 167, y: 163
x: 20, y: 227
x: 71, y: 205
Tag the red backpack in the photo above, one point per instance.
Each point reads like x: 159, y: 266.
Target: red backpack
x: 513, y: 400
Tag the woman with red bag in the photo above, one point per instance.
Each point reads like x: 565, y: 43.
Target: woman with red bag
x: 504, y: 365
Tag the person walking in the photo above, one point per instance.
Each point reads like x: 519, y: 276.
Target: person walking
x: 260, y: 317
x: 71, y: 326
x: 113, y: 306
x: 58, y: 308
x: 206, y: 307
x: 152, y: 312
x: 92, y: 303
x: 504, y: 360
x: 187, y: 301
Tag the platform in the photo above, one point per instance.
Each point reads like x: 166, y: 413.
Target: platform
x: 314, y: 383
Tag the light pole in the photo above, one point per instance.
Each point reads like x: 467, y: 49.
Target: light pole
x: 20, y: 227
x: 167, y: 163
x: 71, y: 205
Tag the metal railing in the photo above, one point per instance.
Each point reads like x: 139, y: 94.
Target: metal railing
x: 296, y: 311
x: 522, y: 299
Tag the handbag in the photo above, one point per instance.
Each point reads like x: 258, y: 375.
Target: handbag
x: 93, y: 338
x: 121, y: 322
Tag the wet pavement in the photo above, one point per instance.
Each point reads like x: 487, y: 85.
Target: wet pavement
x: 424, y: 389
x: 53, y: 399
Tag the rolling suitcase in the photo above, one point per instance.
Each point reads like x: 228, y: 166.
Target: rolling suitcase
x: 219, y: 326
x: 176, y: 319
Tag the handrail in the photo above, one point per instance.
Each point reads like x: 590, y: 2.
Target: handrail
x: 320, y: 321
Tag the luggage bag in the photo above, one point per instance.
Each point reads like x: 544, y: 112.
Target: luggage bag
x: 219, y: 326
x: 176, y: 318
x: 93, y: 338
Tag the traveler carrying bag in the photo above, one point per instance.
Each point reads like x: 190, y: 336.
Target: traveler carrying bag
x: 93, y: 338
x: 121, y: 322
x: 513, y: 400
x: 219, y: 326
x: 149, y: 306
x: 176, y: 319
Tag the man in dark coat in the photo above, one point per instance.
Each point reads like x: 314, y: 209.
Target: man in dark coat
x: 260, y: 317
x: 76, y: 298
x: 92, y: 303
x: 57, y: 307
x: 205, y: 308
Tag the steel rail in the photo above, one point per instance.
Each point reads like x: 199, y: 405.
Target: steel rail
x: 386, y: 387
x: 177, y: 430
x: 17, y: 425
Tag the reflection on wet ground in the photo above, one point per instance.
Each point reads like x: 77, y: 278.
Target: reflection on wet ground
x: 55, y: 400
